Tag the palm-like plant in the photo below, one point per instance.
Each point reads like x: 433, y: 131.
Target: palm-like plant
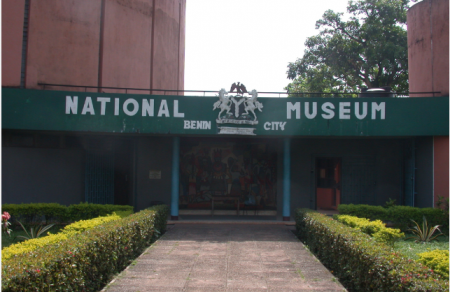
x: 34, y: 233
x: 424, y: 234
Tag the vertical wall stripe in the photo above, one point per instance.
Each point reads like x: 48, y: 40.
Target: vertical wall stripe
x: 179, y: 41
x: 287, y: 179
x: 100, y: 46
x: 175, y: 178
x: 152, y: 46
x: 431, y: 43
x: 26, y: 25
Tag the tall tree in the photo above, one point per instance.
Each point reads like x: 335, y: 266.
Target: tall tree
x: 367, y: 50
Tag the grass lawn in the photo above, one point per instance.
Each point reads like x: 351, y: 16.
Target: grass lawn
x: 410, y: 248
x: 18, y: 231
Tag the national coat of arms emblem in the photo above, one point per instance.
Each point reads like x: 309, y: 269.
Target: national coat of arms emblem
x: 237, y: 109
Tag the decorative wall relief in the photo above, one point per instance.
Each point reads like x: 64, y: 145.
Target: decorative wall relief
x: 246, y: 170
x: 239, y: 110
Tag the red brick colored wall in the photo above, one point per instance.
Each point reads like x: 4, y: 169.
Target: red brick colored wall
x: 441, y: 167
x: 63, y: 42
x: 12, y: 29
x: 127, y: 44
x: 167, y: 57
x: 116, y: 43
x: 428, y: 47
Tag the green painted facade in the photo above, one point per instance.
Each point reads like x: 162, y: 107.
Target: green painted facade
x: 193, y: 115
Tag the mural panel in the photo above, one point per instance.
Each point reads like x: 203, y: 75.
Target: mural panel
x: 241, y: 169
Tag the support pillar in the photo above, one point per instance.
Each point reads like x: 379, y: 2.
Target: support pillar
x: 287, y: 180
x: 175, y: 178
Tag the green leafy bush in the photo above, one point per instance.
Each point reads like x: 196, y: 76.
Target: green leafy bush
x: 84, y: 211
x: 363, y: 211
x: 36, y: 213
x: 363, y: 224
x: 82, y: 225
x: 388, y: 235
x: 375, y: 229
x: 71, y: 229
x: 390, y: 203
x: 436, y: 260
x: 161, y: 219
x: 361, y: 263
x: 124, y: 214
x: 401, y: 216
x: 85, y: 261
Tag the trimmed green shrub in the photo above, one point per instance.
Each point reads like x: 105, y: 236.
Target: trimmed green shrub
x: 36, y: 213
x: 123, y: 214
x: 84, y: 211
x: 71, y: 229
x: 363, y: 224
x: 85, y: 261
x: 401, y: 216
x: 82, y: 225
x: 161, y: 219
x: 375, y: 229
x: 388, y: 235
x: 364, y: 211
x: 436, y: 260
x: 358, y: 261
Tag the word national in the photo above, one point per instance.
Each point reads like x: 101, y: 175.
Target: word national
x: 130, y: 107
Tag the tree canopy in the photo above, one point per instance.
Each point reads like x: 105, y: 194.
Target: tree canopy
x: 369, y: 49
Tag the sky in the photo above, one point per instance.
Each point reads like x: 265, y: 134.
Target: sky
x: 250, y: 41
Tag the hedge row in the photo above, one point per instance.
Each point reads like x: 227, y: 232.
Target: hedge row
x: 71, y: 229
x: 161, y: 219
x: 84, y: 262
x: 54, y: 212
x: 361, y: 263
x: 401, y: 216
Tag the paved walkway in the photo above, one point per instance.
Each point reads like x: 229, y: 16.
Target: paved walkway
x: 226, y: 257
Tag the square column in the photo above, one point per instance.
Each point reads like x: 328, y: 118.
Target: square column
x: 175, y: 178
x: 287, y: 179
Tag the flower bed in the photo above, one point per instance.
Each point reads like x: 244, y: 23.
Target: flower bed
x: 361, y: 263
x: 85, y: 261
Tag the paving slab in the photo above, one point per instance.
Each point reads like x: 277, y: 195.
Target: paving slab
x: 226, y: 257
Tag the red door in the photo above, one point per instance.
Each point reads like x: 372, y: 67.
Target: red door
x: 328, y: 183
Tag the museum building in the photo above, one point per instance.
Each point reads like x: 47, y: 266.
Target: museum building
x: 89, y: 116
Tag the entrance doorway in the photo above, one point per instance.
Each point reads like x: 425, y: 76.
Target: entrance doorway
x: 228, y: 175
x: 328, y: 183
